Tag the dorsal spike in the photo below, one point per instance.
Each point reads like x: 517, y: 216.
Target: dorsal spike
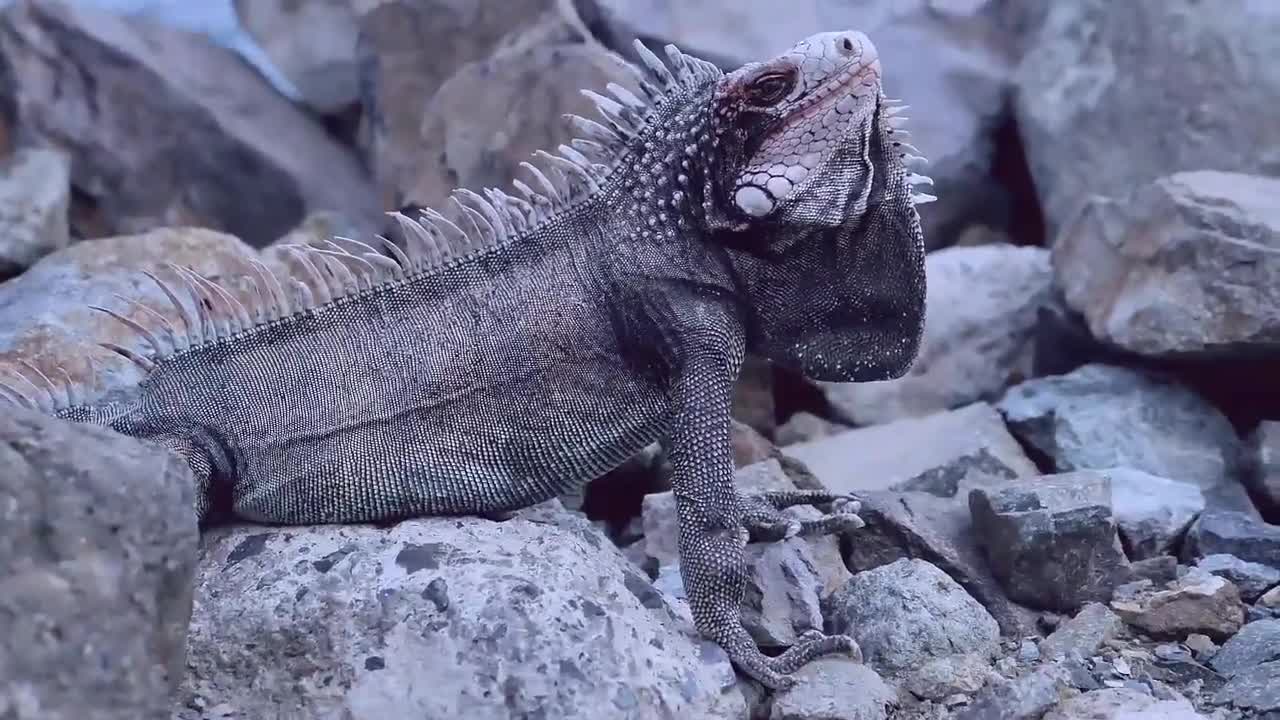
x: 382, y: 261
x: 476, y: 235
x: 548, y: 188
x: 233, y: 303
x: 188, y: 323
x: 655, y: 65
x: 169, y: 330
x: 679, y: 62
x: 301, y: 288
x: 488, y: 212
x: 592, y: 130
x: 438, y: 221
x: 68, y: 387
x: 573, y: 168
x: 406, y: 264
x: 204, y: 323
x: 278, y: 305
x: 16, y: 396
x: 221, y: 321
x: 137, y: 327
x: 319, y: 284
x: 135, y: 358
x: 626, y: 97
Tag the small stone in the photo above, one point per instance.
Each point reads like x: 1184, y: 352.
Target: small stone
x: 1251, y: 578
x: 1168, y: 652
x: 1028, y: 652
x: 1197, y: 602
x: 1082, y: 634
x: 1233, y: 533
x: 1051, y: 542
x: 907, y: 612
x: 1122, y: 667
x: 956, y: 700
x: 834, y: 689
x: 1271, y: 598
x: 1159, y: 570
x: 1256, y: 643
x: 1202, y: 645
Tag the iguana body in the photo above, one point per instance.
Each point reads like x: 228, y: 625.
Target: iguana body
x: 529, y: 346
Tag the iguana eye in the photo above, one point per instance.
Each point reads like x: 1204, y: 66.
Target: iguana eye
x: 770, y: 88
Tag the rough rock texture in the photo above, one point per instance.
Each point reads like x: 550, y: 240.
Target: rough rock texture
x: 527, y: 617
x: 1152, y: 512
x: 834, y: 689
x: 1024, y: 698
x: 980, y: 324
x: 1122, y: 704
x: 946, y: 58
x: 915, y: 476
x: 1188, y: 265
x: 943, y: 677
x: 1105, y: 416
x: 1236, y: 534
x: 1250, y: 578
x: 1256, y: 689
x: 409, y: 49
x: 1263, y: 476
x: 165, y: 128
x: 1197, y: 602
x: 45, y: 316
x: 98, y: 546
x: 907, y: 612
x: 1256, y: 643
x: 311, y: 43
x: 1051, y: 542
x: 1083, y: 634
x: 35, y: 190
x: 1097, y: 66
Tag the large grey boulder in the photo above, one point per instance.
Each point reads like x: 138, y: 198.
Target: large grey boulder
x: 35, y: 193
x: 98, y: 547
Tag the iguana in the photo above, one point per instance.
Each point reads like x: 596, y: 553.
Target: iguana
x: 523, y: 345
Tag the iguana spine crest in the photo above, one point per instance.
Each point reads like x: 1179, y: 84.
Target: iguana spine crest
x: 333, y: 274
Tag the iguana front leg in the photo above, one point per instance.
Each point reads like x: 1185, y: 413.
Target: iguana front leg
x: 712, y: 529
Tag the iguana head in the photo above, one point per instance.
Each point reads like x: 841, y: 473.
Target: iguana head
x: 814, y: 202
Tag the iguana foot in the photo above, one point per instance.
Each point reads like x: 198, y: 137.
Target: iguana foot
x: 764, y: 521
x: 775, y: 672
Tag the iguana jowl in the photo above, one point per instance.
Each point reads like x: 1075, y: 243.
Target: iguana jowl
x: 524, y: 345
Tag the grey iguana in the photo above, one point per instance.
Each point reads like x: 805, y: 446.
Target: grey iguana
x: 524, y: 344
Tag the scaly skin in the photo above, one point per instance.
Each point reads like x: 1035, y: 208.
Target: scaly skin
x: 765, y: 211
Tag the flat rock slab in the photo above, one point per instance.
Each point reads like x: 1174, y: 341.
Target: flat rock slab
x: 1105, y: 416
x: 1257, y: 689
x: 445, y: 617
x: 980, y: 325
x: 1186, y: 266
x: 1256, y: 643
x: 98, y: 547
x: 1051, y: 542
x: 35, y: 194
x: 1085, y: 77
x: 1122, y: 704
x: 835, y: 689
x: 908, y: 612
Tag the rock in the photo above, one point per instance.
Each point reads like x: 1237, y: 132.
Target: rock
x: 834, y: 689
x: 1084, y: 79
x: 1051, y: 542
x: 749, y: 446
x: 1151, y: 512
x: 1160, y: 569
x: 929, y: 453
x: 45, y: 316
x: 980, y: 323
x: 98, y: 546
x: 805, y: 427
x: 1256, y: 643
x: 1083, y: 634
x: 1257, y: 689
x: 1122, y: 704
x: 942, y: 677
x: 1263, y: 477
x: 1104, y: 416
x: 1233, y: 533
x: 1024, y: 698
x: 312, y: 44
x: 1188, y: 265
x: 908, y: 612
x: 1196, y: 602
x: 915, y: 476
x: 948, y: 60
x: 1250, y: 578
x: 35, y: 189
x: 1270, y: 599
x: 409, y: 49
x: 165, y: 128
x: 526, y: 617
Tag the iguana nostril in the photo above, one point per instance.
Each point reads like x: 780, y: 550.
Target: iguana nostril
x: 846, y: 45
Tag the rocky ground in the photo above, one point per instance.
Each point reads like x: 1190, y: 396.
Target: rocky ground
x: 1072, y: 502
